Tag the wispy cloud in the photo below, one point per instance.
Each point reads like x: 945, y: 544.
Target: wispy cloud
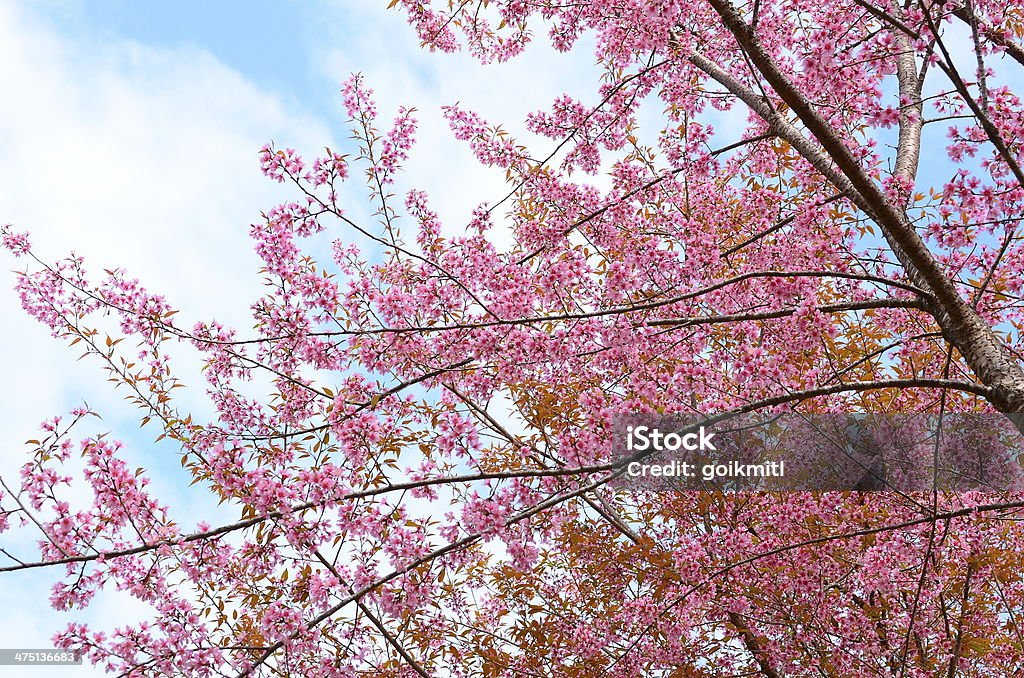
x: 366, y: 38
x: 145, y: 158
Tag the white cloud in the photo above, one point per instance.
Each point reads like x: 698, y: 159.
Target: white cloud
x: 145, y: 158
x: 386, y: 50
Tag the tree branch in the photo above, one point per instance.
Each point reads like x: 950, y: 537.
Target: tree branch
x: 961, y: 325
x: 753, y: 645
x: 993, y: 35
x: 911, y: 115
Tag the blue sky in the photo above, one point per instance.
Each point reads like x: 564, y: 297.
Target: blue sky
x: 268, y: 41
x: 130, y: 133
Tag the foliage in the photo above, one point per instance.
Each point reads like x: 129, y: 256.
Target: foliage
x: 439, y: 504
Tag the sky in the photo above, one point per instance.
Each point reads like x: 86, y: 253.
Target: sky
x: 130, y: 134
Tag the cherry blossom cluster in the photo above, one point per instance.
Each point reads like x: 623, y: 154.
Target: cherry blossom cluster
x: 413, y: 437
